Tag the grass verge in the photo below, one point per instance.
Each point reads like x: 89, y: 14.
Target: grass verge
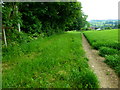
x: 55, y: 62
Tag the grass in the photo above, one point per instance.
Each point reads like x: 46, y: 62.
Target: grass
x: 107, y: 38
x: 106, y: 41
x: 53, y: 62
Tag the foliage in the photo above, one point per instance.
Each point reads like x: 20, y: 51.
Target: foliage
x: 10, y: 15
x: 14, y: 36
x: 114, y: 62
x: 44, y: 18
x: 55, y: 17
x: 79, y: 23
x: 19, y: 43
x: 119, y: 25
x: 107, y: 51
x: 111, y: 44
x: 57, y: 61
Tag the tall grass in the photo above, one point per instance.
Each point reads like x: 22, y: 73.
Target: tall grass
x: 55, y: 62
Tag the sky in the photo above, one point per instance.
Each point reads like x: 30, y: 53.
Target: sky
x: 100, y: 9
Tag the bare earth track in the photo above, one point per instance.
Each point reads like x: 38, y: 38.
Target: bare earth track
x: 106, y: 76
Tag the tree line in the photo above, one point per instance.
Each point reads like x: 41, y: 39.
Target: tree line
x: 45, y: 18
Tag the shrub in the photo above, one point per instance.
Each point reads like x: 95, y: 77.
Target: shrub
x: 107, y: 51
x: 17, y: 37
x: 117, y: 69
x: 96, y: 45
x: 114, y: 62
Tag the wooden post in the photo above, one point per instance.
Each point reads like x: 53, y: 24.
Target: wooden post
x: 16, y: 14
x: 4, y: 34
x: 4, y: 37
x: 19, y: 27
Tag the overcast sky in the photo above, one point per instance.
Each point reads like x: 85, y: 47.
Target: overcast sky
x: 100, y: 9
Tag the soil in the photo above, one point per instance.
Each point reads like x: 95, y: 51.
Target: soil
x: 106, y: 76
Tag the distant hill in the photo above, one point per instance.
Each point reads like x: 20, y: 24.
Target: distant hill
x: 104, y: 24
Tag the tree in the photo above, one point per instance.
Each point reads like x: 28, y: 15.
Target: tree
x: 11, y: 16
x: 44, y: 17
x: 55, y: 17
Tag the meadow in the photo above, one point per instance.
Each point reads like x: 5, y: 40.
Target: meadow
x: 106, y: 41
x: 57, y: 61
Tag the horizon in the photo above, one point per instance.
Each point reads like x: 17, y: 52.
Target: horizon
x: 103, y: 19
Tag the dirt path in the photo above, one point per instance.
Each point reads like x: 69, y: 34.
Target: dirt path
x: 106, y: 76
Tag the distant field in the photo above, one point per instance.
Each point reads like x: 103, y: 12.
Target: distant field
x: 55, y: 62
x: 107, y: 43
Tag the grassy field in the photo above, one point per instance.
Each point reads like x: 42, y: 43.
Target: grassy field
x: 106, y: 41
x: 53, y: 62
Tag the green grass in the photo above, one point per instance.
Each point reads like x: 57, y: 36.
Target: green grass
x: 53, y: 62
x: 108, y: 38
x: 106, y: 41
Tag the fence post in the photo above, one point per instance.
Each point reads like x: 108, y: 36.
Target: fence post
x: 18, y: 23
x: 19, y: 27
x: 4, y: 37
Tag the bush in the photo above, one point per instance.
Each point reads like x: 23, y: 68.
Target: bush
x: 117, y: 69
x: 114, y: 45
x: 114, y: 62
x: 13, y: 37
x: 107, y: 51
x: 98, y: 44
